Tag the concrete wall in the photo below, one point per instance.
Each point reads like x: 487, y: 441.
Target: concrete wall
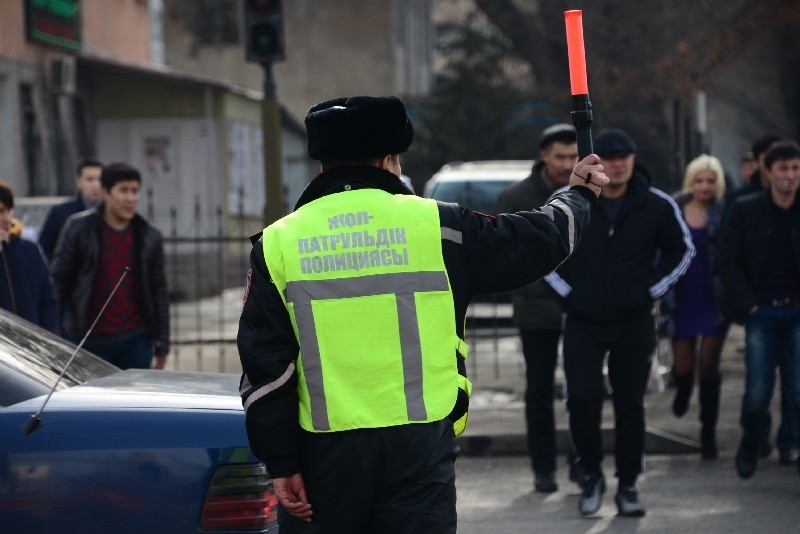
x: 13, y: 42
x: 21, y: 62
x: 173, y: 155
x: 336, y: 49
x: 333, y: 48
x: 117, y: 29
x: 120, y: 28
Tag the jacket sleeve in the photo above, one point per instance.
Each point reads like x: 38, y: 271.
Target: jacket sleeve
x: 158, y: 284
x: 674, y: 242
x: 64, y: 263
x: 268, y: 351
x: 48, y: 306
x: 511, y: 250
x: 559, y: 282
x: 49, y: 232
x: 739, y: 294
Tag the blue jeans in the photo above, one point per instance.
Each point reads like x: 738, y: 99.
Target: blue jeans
x: 772, y: 340
x: 126, y: 351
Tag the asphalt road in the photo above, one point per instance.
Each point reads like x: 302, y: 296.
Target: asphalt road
x: 682, y: 493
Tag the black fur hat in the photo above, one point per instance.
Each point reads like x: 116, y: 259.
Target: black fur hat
x: 358, y: 127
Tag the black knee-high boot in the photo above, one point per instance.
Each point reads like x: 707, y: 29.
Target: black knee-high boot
x: 683, y: 392
x: 709, y: 413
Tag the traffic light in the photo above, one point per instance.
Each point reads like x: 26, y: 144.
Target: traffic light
x: 263, y: 25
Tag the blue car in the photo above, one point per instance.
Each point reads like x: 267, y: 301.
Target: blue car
x: 136, y: 451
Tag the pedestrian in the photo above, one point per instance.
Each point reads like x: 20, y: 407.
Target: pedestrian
x: 788, y: 437
x: 759, y: 262
x: 25, y: 287
x: 87, y: 181
x: 537, y: 308
x: 94, y: 249
x: 693, y: 305
x: 351, y: 335
x: 748, y: 167
x: 758, y: 180
x: 636, y: 246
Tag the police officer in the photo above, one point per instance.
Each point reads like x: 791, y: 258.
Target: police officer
x: 351, y: 335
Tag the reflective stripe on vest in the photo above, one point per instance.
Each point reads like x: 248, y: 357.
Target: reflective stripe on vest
x: 403, y: 286
x: 362, y: 275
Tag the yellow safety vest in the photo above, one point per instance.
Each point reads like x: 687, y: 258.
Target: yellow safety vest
x: 362, y: 276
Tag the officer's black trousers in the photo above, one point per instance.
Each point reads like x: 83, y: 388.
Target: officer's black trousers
x: 387, y: 480
x: 629, y: 345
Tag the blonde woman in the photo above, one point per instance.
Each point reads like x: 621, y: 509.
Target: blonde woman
x: 694, y: 302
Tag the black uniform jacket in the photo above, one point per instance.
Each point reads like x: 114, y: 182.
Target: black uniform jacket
x: 744, y: 250
x: 620, y: 268
x: 481, y: 253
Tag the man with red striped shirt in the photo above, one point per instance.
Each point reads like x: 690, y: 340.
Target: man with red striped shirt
x: 93, y: 251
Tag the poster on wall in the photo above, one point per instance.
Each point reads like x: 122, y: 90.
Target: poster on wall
x: 157, y: 154
x: 247, y: 194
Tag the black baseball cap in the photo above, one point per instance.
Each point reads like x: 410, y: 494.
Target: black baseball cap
x: 561, y: 133
x: 614, y: 142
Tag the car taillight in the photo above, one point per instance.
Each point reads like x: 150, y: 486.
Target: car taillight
x: 239, y: 497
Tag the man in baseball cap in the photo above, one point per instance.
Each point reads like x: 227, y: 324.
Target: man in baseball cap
x: 609, y: 309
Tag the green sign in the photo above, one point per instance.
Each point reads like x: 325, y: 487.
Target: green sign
x: 55, y: 22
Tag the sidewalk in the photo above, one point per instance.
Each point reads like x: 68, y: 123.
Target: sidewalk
x: 497, y: 421
x: 497, y: 418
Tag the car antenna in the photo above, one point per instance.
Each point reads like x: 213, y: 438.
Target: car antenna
x: 35, y: 419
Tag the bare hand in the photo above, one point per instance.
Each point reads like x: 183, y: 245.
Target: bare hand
x: 589, y: 173
x: 159, y: 362
x: 291, y: 493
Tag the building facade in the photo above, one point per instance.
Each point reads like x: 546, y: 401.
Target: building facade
x: 333, y: 47
x: 87, y: 78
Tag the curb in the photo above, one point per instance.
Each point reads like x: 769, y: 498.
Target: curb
x: 657, y: 441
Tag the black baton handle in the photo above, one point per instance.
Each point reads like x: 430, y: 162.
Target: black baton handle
x: 582, y: 119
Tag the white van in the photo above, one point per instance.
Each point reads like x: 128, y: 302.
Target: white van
x: 476, y: 184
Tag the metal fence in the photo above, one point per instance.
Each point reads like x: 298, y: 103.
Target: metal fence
x: 205, y: 273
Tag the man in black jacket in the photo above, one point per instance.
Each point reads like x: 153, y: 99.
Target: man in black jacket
x: 89, y: 195
x: 788, y: 438
x: 635, y: 248
x: 374, y: 476
x: 537, y: 308
x: 93, y: 251
x: 759, y: 263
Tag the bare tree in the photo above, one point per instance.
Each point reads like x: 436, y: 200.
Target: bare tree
x: 643, y: 57
x: 479, y: 108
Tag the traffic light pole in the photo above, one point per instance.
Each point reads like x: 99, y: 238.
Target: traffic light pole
x: 271, y: 128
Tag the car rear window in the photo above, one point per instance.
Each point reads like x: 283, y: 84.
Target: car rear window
x: 31, y: 359
x: 478, y: 195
